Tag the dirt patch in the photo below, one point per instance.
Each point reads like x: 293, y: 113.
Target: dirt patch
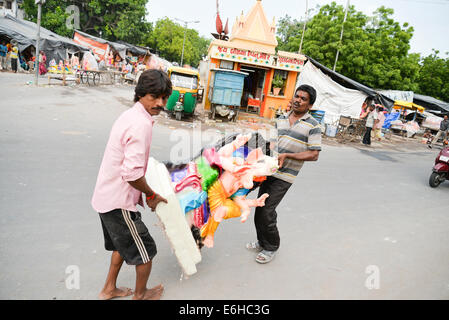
x: 394, y: 143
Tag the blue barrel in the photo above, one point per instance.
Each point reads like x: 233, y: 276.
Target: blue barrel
x: 318, y: 115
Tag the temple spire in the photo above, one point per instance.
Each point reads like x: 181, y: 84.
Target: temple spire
x: 255, y: 27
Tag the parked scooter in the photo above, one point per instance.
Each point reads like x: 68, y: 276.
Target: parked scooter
x: 440, y: 170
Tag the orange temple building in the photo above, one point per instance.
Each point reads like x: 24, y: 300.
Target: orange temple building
x: 252, y: 49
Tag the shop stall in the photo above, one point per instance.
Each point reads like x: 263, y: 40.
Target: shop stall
x: 251, y: 49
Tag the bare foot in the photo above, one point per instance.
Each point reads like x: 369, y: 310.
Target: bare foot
x: 115, y: 293
x: 151, y: 294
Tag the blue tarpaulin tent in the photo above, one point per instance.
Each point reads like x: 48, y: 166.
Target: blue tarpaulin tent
x: 389, y: 118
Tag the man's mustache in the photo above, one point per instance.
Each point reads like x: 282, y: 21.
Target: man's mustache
x: 158, y: 108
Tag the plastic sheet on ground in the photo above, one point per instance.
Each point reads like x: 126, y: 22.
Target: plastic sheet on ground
x: 411, y: 127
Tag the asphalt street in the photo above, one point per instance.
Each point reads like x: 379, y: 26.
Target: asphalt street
x: 361, y: 223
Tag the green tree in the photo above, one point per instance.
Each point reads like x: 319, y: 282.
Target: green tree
x: 111, y: 19
x: 53, y: 15
x: 287, y: 32
x: 434, y: 76
x: 167, y: 37
x: 373, y: 51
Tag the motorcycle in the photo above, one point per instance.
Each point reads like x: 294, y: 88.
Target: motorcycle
x: 440, y: 171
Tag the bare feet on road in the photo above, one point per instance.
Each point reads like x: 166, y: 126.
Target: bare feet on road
x: 151, y: 294
x: 115, y: 293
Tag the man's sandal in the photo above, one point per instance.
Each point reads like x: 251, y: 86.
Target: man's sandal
x: 265, y: 256
x: 254, y: 246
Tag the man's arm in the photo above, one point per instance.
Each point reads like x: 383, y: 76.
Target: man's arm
x: 142, y: 185
x: 133, y: 165
x: 310, y: 155
x: 152, y: 198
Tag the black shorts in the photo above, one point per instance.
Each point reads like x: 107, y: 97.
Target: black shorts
x: 125, y: 232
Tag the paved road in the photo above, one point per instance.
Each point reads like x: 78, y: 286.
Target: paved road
x: 355, y: 219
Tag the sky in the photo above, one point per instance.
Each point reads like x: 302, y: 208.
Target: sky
x: 429, y: 18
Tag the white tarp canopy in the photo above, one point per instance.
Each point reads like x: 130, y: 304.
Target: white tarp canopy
x: 332, y: 97
x: 431, y: 121
x: 398, y: 95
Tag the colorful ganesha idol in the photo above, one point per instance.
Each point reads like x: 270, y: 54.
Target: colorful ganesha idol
x: 214, y: 186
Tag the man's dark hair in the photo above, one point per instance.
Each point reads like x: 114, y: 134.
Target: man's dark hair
x: 310, y: 90
x: 154, y: 82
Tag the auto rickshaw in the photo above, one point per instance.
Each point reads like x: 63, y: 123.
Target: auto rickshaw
x: 184, y: 96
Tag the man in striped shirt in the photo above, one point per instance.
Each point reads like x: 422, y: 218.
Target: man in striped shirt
x: 299, y: 140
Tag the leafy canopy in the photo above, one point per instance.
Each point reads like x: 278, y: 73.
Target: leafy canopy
x: 374, y: 49
x: 121, y: 20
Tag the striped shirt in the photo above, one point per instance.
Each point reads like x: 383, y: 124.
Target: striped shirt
x: 303, y: 135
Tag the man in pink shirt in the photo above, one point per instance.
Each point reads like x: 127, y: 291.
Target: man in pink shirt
x: 121, y: 182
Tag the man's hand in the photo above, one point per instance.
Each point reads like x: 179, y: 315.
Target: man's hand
x: 152, y: 198
x: 281, y: 159
x: 153, y: 201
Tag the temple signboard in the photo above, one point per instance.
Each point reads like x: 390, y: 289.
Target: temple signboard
x: 289, y: 63
x: 242, y: 56
x: 257, y: 58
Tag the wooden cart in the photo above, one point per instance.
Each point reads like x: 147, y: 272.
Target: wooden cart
x: 350, y: 129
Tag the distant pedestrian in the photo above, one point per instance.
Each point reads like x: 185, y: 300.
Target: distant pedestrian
x: 3, y: 53
x: 378, y: 126
x: 42, y: 63
x: 444, y: 127
x: 371, y: 120
x: 14, y: 55
x: 8, y: 55
x: 32, y: 63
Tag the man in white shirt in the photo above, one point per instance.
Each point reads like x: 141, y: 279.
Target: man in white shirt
x: 371, y: 120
